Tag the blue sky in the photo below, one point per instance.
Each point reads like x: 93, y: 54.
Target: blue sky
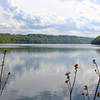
x: 56, y: 17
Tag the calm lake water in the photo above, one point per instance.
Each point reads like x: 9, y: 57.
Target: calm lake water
x: 38, y: 71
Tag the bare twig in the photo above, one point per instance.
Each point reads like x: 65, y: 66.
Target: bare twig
x: 74, y: 80
x: 98, y: 73
x: 96, y: 89
x: 73, y: 84
x: 2, y: 67
x: 83, y: 94
x: 5, y: 83
x: 88, y: 95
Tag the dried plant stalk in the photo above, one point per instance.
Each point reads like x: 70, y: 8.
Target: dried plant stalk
x: 71, y: 87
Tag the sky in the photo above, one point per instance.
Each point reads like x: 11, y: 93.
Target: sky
x: 51, y: 17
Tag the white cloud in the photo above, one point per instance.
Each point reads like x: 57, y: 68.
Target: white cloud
x: 51, y: 16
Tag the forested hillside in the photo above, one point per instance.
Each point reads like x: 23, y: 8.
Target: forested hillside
x: 46, y: 39
x: 96, y: 40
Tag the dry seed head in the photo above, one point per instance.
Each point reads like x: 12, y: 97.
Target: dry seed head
x: 76, y: 66
x: 94, y: 61
x: 9, y: 73
x: 5, y: 51
x: 66, y: 81
x: 83, y: 93
x: 67, y: 74
x: 95, y: 70
x: 85, y: 87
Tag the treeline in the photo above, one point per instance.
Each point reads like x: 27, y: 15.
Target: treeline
x: 43, y: 39
x: 96, y: 40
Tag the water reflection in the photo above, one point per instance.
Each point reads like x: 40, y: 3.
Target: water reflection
x: 39, y: 73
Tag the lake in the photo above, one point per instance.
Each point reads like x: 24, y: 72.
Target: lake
x: 38, y: 70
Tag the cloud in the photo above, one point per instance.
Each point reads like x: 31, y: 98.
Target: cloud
x: 61, y: 16
x: 7, y: 5
x: 5, y: 26
x: 96, y: 1
x: 71, y: 0
x: 21, y: 18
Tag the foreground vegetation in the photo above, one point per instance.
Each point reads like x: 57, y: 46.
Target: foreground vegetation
x: 85, y: 94
x: 43, y: 39
x: 2, y: 81
x: 96, y: 40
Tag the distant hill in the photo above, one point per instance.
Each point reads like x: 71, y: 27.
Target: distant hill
x: 96, y: 40
x: 44, y: 39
